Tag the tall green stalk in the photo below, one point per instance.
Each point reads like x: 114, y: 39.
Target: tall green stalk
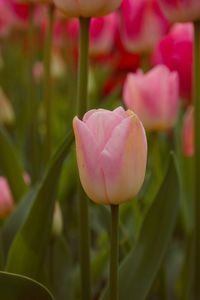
x: 82, y: 100
x: 48, y: 82
x: 32, y: 105
x: 196, y: 101
x: 114, y: 294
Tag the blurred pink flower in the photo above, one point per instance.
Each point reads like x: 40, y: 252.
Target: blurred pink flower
x: 102, y: 33
x: 6, y: 18
x: 181, y: 10
x: 176, y: 52
x: 142, y: 24
x: 154, y: 97
x: 188, y: 132
x: 111, y: 152
x: 6, y: 199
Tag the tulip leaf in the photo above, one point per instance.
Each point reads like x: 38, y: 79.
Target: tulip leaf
x: 15, y: 220
x: 138, y: 270
x: 32, y: 238
x: 11, y: 167
x: 16, y: 287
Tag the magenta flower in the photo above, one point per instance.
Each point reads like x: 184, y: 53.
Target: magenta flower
x: 102, y: 33
x: 142, y: 24
x: 176, y: 52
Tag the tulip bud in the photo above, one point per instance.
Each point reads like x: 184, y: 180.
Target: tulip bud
x: 181, y: 10
x: 154, y: 97
x: 111, y: 152
x: 143, y: 24
x: 175, y: 51
x: 89, y: 8
x: 102, y: 33
x: 188, y: 133
x: 7, y: 116
x: 6, y: 199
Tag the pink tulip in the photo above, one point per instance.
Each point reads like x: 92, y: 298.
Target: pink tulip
x: 111, y: 152
x: 6, y: 18
x: 143, y: 24
x: 181, y: 10
x: 87, y: 8
x: 102, y: 33
x: 176, y: 52
x: 154, y: 97
x: 188, y: 133
x: 6, y: 199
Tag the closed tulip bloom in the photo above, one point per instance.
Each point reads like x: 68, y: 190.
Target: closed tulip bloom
x: 142, y: 24
x: 181, y: 10
x: 87, y: 8
x: 111, y: 152
x: 154, y: 97
x: 175, y: 50
x: 102, y: 33
x: 188, y: 132
x: 6, y: 199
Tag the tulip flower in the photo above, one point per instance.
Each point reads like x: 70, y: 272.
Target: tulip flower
x: 111, y: 152
x: 176, y: 52
x: 143, y: 24
x: 6, y: 199
x: 102, y: 33
x: 87, y: 8
x: 154, y: 97
x: 6, y: 18
x: 188, y: 133
x: 181, y: 10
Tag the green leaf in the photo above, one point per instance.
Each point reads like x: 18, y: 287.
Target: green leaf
x: 138, y: 270
x: 15, y: 287
x: 32, y: 239
x: 15, y: 220
x: 11, y: 167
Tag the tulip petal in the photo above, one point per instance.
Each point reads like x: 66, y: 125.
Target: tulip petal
x: 120, y: 111
x: 123, y: 160
x: 87, y: 156
x: 101, y: 124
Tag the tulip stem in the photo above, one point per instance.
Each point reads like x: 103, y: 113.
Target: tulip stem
x: 48, y: 82
x: 196, y: 101
x: 32, y: 109
x: 82, y: 95
x: 114, y: 253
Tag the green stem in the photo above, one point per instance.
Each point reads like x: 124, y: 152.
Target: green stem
x: 84, y: 246
x: 114, y: 253
x: 32, y: 112
x: 145, y: 62
x: 196, y: 100
x: 48, y: 82
x: 82, y: 95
